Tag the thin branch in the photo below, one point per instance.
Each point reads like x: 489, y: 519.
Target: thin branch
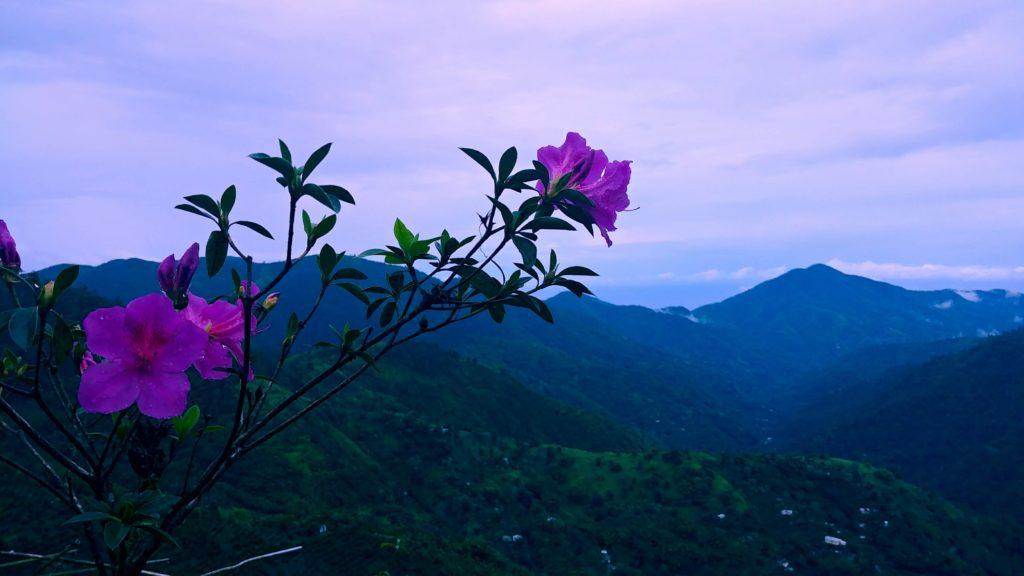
x: 75, y: 561
x: 253, y: 559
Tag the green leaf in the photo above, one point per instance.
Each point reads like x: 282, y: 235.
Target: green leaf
x: 339, y: 193
x: 573, y: 286
x: 349, y: 274
x: 404, y: 237
x: 206, y: 203
x: 216, y: 252
x: 227, y: 199
x: 186, y: 422
x: 497, y: 312
x: 285, y: 152
x: 527, y: 249
x: 548, y: 223
x: 507, y: 163
x: 325, y: 226
x: 23, y: 325
x: 387, y: 313
x: 482, y: 160
x: 65, y: 279
x: 89, y: 517
x: 396, y: 280
x: 355, y: 291
x: 114, y: 533
x: 193, y: 210
x: 327, y: 260
x: 542, y: 310
x: 257, y: 228
x: 314, y: 160
x: 480, y: 280
x: 577, y: 271
x: 307, y: 223
x: 61, y: 340
x: 281, y: 165
x: 318, y: 194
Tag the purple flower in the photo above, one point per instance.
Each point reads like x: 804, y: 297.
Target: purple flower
x: 147, y: 346
x: 8, y: 249
x: 223, y: 324
x: 175, y: 277
x: 601, y: 181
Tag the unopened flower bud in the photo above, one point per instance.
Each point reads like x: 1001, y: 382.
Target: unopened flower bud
x: 175, y: 277
x: 270, y: 301
x: 9, y: 256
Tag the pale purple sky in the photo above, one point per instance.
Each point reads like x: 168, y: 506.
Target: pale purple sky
x: 884, y: 137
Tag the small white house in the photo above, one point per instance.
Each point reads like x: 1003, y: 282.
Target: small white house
x: 833, y: 541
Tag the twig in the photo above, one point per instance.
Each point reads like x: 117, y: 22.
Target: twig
x: 75, y: 561
x: 253, y: 559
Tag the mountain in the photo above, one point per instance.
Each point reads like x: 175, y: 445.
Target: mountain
x: 453, y: 468
x: 663, y: 374
x: 814, y: 315
x: 954, y: 423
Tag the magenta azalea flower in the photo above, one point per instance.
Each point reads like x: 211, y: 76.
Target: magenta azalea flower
x: 603, y: 182
x: 147, y: 346
x: 175, y: 277
x: 224, y: 326
x: 9, y: 256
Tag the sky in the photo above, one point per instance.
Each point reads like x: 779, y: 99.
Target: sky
x: 885, y: 138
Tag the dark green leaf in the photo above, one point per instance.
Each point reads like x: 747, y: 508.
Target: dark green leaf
x: 257, y: 228
x: 527, y: 249
x: 548, y: 223
x: 507, y: 163
x: 355, y: 291
x: 349, y: 274
x: 216, y: 252
x: 193, y: 210
x: 339, y: 193
x: 23, y: 325
x: 318, y: 194
x: 325, y: 226
x: 480, y: 159
x: 65, y: 279
x: 114, y: 533
x: 285, y: 152
x: 387, y: 313
x: 206, y: 203
x: 227, y: 199
x: 497, y: 312
x: 281, y: 165
x: 327, y: 260
x: 89, y: 517
x: 314, y: 160
x: 577, y: 271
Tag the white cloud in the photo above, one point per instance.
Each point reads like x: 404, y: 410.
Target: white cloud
x: 893, y: 271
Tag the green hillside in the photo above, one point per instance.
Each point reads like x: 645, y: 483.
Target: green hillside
x: 458, y: 470
x: 954, y: 423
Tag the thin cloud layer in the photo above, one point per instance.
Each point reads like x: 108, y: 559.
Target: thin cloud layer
x: 764, y: 135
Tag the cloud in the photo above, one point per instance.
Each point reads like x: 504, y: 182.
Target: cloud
x: 762, y: 133
x: 893, y: 271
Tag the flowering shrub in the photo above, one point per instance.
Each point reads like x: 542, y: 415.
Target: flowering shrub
x: 138, y: 362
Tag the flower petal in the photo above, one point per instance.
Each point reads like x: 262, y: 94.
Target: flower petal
x: 216, y: 356
x: 186, y: 345
x: 108, y: 387
x: 163, y: 394
x: 104, y: 333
